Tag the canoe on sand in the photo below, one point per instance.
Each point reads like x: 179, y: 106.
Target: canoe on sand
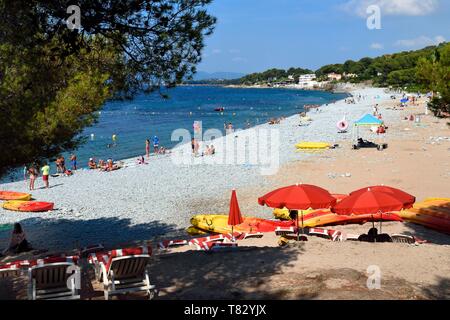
x: 433, y: 213
x: 11, y: 195
x: 219, y: 224
x: 28, y: 206
x: 313, y: 145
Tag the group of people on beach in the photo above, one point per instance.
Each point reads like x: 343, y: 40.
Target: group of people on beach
x: 208, y: 151
x: 156, y: 148
x: 103, y: 165
x: 61, y: 164
x: 275, y: 120
x: 32, y: 172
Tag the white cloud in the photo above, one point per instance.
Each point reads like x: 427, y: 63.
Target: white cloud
x: 421, y: 41
x: 393, y: 7
x: 234, y: 51
x: 216, y: 51
x: 376, y: 46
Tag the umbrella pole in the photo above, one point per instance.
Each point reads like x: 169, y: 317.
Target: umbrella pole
x: 381, y: 221
x: 298, y: 230
x: 303, y: 232
x: 232, y: 234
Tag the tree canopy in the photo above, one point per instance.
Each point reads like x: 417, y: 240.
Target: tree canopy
x: 53, y: 79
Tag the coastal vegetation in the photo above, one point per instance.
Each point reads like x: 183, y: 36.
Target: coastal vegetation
x: 53, y: 79
x: 422, y: 70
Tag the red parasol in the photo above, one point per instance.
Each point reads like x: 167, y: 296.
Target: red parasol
x: 298, y: 197
x: 407, y: 199
x: 368, y: 202
x: 234, y: 216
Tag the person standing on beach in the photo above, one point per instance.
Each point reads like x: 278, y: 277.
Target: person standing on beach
x: 25, y: 170
x: 45, y: 173
x: 193, y: 145
x: 155, y: 144
x: 73, y: 159
x: 33, y: 175
x: 147, y: 148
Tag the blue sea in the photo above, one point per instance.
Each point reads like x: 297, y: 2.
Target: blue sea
x: 148, y: 115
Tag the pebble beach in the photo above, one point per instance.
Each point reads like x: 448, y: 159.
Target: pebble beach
x: 158, y: 199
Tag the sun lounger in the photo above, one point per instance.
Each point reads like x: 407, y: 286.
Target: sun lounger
x: 172, y: 243
x: 49, y: 278
x: 282, y: 231
x: 124, y: 271
x: 351, y: 237
x: 252, y: 235
x: 13, y: 269
x: 319, y: 232
x: 219, y: 246
x: 401, y: 238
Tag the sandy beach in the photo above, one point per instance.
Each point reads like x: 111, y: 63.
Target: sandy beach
x: 156, y: 201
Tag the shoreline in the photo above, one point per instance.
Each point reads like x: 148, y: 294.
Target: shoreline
x: 125, y: 197
x: 155, y: 203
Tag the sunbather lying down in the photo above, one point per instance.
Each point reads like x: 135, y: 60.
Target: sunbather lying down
x: 373, y: 236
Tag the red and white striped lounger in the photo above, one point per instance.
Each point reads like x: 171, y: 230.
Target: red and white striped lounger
x: 250, y: 235
x: 172, y: 243
x: 123, y: 271
x: 13, y: 269
x: 281, y: 231
x: 218, y: 246
x: 333, y: 235
x: 48, y: 278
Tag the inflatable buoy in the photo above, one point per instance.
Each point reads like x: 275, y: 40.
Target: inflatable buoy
x: 342, y: 125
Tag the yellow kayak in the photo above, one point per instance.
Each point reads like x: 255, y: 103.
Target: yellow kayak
x: 215, y: 223
x: 194, y: 231
x: 313, y: 145
x: 283, y: 214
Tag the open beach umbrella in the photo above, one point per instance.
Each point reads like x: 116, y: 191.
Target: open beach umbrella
x: 407, y: 199
x: 368, y: 202
x: 298, y: 197
x: 234, y: 216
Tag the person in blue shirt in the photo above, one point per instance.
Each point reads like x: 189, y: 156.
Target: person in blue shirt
x: 155, y: 144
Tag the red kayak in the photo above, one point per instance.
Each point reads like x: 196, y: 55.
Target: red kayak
x: 28, y: 206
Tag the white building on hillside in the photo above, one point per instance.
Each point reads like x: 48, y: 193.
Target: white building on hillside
x: 334, y: 76
x: 307, y: 80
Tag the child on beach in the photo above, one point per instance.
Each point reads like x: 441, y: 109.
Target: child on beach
x: 45, y: 173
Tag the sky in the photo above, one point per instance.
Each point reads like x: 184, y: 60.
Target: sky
x: 255, y: 35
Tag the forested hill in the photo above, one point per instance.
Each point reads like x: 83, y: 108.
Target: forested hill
x: 398, y: 69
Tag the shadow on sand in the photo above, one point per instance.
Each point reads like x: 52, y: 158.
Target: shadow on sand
x: 66, y: 235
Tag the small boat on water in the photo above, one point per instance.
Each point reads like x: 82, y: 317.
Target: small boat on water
x: 220, y: 109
